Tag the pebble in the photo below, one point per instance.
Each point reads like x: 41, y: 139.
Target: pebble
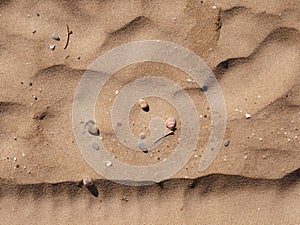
x: 117, y: 92
x: 87, y: 182
x: 91, y: 127
x: 108, y: 163
x: 143, y: 103
x: 55, y: 37
x: 142, y: 135
x: 247, y: 115
x: 226, y: 143
x: 171, y: 123
x: 15, y: 158
x: 142, y: 146
x: 52, y: 47
x: 95, y: 146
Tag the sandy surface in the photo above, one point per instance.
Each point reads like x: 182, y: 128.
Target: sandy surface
x: 253, y: 47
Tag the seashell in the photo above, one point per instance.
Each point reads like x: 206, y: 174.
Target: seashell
x: 55, y: 37
x: 143, y: 104
x: 87, y: 181
x: 91, y: 127
x: 226, y: 143
x: 171, y: 123
x: 142, y: 146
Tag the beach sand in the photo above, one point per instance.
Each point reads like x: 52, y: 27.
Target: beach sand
x: 253, y: 48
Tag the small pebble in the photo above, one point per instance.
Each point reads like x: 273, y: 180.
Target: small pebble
x: 214, y: 7
x: 260, y: 139
x: 108, y: 163
x: 87, y: 182
x: 143, y: 104
x: 52, y: 47
x: 55, y: 37
x: 117, y: 92
x: 247, y: 115
x: 91, y: 127
x: 95, y: 146
x: 15, y: 158
x: 142, y: 146
x: 142, y: 135
x: 226, y: 143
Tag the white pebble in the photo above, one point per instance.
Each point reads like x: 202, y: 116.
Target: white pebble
x: 117, y: 92
x: 247, y: 115
x: 108, y: 163
x: 15, y: 158
x: 214, y: 7
x: 52, y: 47
x: 260, y: 139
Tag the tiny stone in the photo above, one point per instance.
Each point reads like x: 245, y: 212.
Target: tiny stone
x: 87, y: 182
x: 263, y: 156
x: 143, y: 103
x: 165, y: 160
x: 117, y: 92
x: 142, y: 135
x: 52, y: 47
x: 23, y: 154
x: 214, y: 7
x: 245, y: 157
x: 108, y: 163
x: 37, y: 14
x: 95, y: 146
x: 248, y: 116
x: 260, y: 139
x: 226, y: 143
x: 142, y: 146
x: 15, y: 158
x: 34, y: 31
x: 55, y: 37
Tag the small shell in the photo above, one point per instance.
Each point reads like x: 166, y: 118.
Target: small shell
x: 92, y: 129
x: 55, y: 37
x: 171, y: 123
x: 142, y: 146
x: 143, y: 103
x: 87, y: 181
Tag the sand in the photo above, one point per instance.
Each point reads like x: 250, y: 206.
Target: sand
x: 253, y: 48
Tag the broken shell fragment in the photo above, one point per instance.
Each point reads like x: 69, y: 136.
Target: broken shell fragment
x: 171, y: 123
x: 87, y: 181
x: 91, y: 127
x: 143, y: 104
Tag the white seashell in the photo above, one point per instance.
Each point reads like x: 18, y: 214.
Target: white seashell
x: 143, y: 103
x: 87, y: 181
x: 171, y: 123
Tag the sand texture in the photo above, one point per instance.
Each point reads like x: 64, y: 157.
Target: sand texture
x: 253, y: 48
